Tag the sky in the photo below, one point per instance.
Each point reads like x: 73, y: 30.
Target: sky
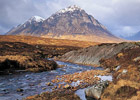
x: 121, y: 17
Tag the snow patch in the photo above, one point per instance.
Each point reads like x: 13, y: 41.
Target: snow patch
x: 24, y: 25
x: 36, y: 19
x: 69, y: 9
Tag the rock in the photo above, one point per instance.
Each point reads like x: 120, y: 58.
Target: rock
x: 55, y: 87
x: 61, y: 66
x: 117, y: 68
x: 59, y: 86
x: 21, y: 94
x: 107, y: 70
x: 28, y: 78
x: 20, y: 90
x: 124, y: 71
x: 136, y: 59
x: 26, y: 75
x: 4, y: 89
x: 97, y: 54
x: 96, y: 90
x: 67, y: 86
x: 120, y: 55
x: 64, y: 70
x: 44, y: 88
x: 31, y: 84
x: 49, y: 84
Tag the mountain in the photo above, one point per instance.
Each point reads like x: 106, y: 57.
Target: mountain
x: 28, y: 28
x: 70, y: 23
x: 135, y: 37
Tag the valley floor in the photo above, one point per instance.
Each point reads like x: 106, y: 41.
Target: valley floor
x: 121, y: 60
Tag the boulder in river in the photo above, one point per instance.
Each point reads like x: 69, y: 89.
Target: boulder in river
x: 49, y: 84
x: 20, y: 90
x: 67, y: 86
x: 96, y: 90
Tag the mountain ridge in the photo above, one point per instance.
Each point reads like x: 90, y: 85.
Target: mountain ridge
x: 135, y: 37
x: 69, y: 23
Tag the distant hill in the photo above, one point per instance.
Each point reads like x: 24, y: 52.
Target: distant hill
x: 70, y: 23
x: 135, y: 37
x: 45, y: 41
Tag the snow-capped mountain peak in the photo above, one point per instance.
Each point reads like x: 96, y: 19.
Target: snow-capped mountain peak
x: 36, y: 19
x: 69, y: 9
x: 33, y: 19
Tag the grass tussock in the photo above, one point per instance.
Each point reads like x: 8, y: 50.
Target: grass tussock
x: 126, y: 83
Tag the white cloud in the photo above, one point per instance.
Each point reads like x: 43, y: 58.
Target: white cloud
x: 125, y: 31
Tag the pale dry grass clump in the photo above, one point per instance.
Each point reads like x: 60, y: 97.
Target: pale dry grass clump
x: 28, y: 63
x: 21, y: 59
x: 122, y: 90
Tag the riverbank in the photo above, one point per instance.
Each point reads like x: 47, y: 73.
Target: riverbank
x: 93, y: 54
x: 67, y: 86
x: 21, y: 56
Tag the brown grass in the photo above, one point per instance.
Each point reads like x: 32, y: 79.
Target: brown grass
x: 45, y: 41
x: 125, y: 86
x: 10, y: 63
x: 55, y: 95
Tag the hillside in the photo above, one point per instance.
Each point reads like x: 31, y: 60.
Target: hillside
x: 93, y: 54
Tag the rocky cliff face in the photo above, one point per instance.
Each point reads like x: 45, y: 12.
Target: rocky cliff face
x: 92, y: 55
x: 69, y: 23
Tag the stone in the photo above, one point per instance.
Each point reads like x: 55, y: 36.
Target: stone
x: 20, y: 90
x: 117, y: 68
x: 55, y: 87
x: 107, y: 70
x: 44, y: 88
x: 49, y: 84
x: 136, y: 59
x: 31, y: 84
x: 96, y: 90
x: 67, y: 86
x: 124, y: 71
x: 21, y: 94
x: 59, y: 86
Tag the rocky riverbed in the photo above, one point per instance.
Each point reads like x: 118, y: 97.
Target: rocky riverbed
x: 18, y: 86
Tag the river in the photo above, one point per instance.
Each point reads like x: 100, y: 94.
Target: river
x: 35, y: 83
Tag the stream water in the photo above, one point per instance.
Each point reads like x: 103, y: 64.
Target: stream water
x: 35, y: 83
